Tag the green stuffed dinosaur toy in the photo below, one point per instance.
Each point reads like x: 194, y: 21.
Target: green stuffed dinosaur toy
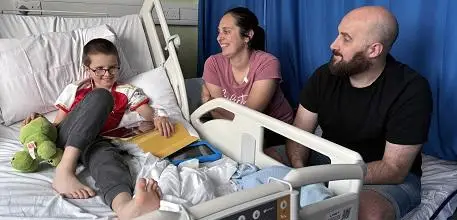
x: 38, y: 138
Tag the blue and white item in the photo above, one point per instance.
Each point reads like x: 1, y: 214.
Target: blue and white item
x: 201, y: 150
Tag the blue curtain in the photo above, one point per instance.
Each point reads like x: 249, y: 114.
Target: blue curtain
x: 299, y: 33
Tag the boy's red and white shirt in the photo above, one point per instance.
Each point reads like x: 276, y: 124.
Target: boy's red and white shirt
x: 126, y: 98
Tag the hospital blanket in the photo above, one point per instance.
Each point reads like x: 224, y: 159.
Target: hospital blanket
x: 30, y: 195
x: 309, y: 194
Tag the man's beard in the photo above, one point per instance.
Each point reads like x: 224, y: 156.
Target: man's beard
x: 358, y: 64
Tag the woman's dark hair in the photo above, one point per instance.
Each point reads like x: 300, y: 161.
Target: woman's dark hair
x: 246, y: 20
x: 99, y: 45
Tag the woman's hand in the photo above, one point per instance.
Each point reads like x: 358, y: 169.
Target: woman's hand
x: 164, y: 126
x: 205, y: 95
x: 31, y: 117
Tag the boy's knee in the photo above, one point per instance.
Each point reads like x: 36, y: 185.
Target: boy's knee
x: 100, y: 97
x: 100, y: 101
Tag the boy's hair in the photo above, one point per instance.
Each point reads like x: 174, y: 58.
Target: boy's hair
x: 99, y: 45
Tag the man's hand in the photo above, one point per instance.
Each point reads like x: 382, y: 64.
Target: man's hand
x: 296, y: 154
x: 164, y: 126
x: 297, y: 163
x: 394, y: 165
x: 31, y: 117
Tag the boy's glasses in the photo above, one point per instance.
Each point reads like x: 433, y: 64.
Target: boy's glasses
x: 101, y: 72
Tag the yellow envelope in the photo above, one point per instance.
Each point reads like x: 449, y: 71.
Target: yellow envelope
x: 161, y: 146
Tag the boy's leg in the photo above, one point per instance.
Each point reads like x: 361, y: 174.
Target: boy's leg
x: 147, y: 199
x: 113, y: 177
x: 65, y: 182
x: 77, y: 131
x: 107, y: 167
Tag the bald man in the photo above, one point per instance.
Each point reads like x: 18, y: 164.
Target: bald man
x: 365, y: 100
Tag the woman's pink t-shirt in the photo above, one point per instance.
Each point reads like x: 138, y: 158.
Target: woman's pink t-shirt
x: 262, y: 65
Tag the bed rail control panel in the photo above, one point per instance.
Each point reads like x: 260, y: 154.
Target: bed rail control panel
x: 278, y: 209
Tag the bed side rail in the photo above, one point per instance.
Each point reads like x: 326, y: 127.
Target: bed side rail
x: 242, y: 140
x: 235, y: 202
x: 171, y: 63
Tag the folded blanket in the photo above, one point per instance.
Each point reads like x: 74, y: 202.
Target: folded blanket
x: 309, y: 194
x: 188, y: 184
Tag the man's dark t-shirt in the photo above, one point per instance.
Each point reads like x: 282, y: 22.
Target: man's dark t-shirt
x: 396, y: 108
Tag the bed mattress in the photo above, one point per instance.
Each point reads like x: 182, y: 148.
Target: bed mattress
x: 439, y: 181
x: 30, y: 194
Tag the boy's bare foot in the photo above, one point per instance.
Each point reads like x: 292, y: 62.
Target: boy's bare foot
x: 68, y: 185
x: 147, y: 199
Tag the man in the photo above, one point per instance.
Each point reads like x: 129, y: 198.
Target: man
x: 365, y: 100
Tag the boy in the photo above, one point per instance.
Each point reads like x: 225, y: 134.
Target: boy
x: 92, y: 106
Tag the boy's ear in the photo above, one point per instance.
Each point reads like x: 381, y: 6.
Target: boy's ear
x: 86, y: 72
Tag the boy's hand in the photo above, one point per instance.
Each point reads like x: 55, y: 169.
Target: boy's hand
x: 164, y: 126
x: 144, y: 126
x: 31, y: 117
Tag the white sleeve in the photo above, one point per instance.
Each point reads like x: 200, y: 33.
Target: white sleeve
x: 67, y: 97
x: 135, y: 96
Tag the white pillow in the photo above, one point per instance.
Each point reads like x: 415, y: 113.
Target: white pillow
x: 35, y: 69
x: 128, y: 29
x: 157, y: 87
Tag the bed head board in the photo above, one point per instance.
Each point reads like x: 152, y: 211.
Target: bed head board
x: 134, y: 31
x: 171, y: 63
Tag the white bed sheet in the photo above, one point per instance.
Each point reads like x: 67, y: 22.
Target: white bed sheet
x: 439, y: 180
x: 30, y: 195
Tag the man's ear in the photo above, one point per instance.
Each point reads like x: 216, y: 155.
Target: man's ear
x: 375, y: 50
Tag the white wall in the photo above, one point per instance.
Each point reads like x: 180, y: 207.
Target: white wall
x: 177, y: 12
x: 186, y: 29
x: 6, y: 4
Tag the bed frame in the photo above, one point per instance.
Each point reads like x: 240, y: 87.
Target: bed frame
x: 242, y: 140
x: 244, y: 144
x: 171, y: 64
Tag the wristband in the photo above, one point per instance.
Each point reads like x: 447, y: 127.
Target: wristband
x: 159, y: 111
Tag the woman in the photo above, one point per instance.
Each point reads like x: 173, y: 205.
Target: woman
x: 244, y: 73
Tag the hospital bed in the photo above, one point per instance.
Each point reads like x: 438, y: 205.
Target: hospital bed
x: 30, y: 195
x: 438, y: 192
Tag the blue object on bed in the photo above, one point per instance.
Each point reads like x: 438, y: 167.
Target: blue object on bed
x: 309, y: 194
x: 201, y: 150
x: 245, y: 169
